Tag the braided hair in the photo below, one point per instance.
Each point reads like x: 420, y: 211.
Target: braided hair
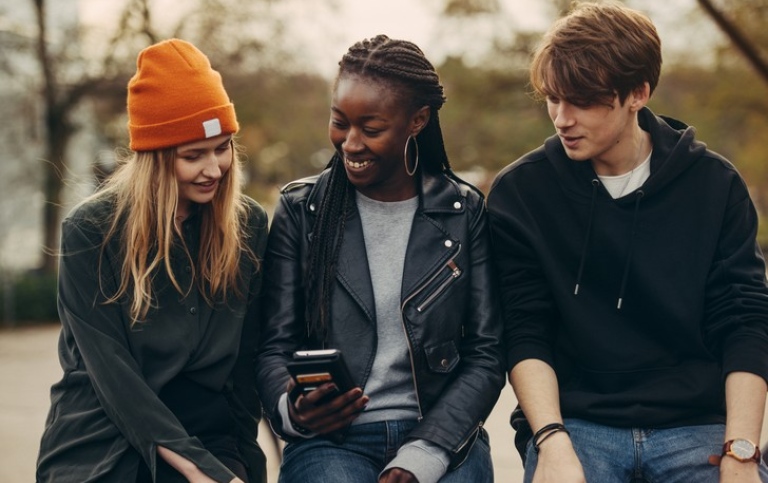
x: 401, y: 66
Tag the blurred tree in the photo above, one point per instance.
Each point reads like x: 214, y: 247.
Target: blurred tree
x: 489, y: 119
x: 736, y: 110
x: 62, y: 92
x: 284, y: 119
x: 747, y: 30
x: 463, y: 8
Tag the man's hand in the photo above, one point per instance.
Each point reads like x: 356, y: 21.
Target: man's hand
x: 558, y: 462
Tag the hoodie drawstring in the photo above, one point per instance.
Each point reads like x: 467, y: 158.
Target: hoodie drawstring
x: 595, y: 184
x: 624, y: 277
x: 639, y: 196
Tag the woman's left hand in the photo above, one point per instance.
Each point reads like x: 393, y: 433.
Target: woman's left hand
x: 398, y: 475
x: 186, y: 467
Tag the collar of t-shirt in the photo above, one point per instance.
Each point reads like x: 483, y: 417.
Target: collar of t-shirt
x: 624, y: 184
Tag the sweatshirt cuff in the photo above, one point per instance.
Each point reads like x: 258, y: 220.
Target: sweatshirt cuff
x: 427, y: 461
x: 285, y: 419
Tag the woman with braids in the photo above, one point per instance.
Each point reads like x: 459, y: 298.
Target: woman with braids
x: 383, y: 256
x: 158, y: 282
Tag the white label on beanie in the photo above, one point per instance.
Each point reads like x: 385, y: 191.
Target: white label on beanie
x: 212, y: 127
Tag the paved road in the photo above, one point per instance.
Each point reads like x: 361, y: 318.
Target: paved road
x: 29, y: 365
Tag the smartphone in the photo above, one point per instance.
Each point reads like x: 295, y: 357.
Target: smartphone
x: 311, y: 369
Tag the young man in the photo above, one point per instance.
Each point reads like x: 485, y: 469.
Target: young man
x: 634, y: 291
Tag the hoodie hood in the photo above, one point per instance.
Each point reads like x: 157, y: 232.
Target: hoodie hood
x: 675, y: 150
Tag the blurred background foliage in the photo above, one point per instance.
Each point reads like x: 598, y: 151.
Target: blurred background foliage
x: 282, y: 104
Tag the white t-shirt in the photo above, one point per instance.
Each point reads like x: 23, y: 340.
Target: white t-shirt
x: 628, y: 182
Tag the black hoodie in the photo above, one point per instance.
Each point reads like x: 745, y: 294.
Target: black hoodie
x: 671, y: 283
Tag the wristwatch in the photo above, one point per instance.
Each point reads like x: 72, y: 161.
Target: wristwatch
x: 742, y: 449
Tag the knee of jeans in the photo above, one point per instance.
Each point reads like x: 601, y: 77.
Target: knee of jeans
x: 288, y: 450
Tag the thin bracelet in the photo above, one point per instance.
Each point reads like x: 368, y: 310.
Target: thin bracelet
x: 299, y: 428
x: 549, y: 429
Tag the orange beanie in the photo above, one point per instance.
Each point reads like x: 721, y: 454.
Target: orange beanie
x: 175, y: 97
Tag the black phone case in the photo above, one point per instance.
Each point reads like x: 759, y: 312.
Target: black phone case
x: 311, y: 369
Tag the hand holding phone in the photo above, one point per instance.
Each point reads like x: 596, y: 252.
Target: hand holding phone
x: 311, y: 369
x: 335, y: 409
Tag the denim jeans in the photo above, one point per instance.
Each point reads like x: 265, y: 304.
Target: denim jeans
x: 365, y: 452
x: 633, y: 455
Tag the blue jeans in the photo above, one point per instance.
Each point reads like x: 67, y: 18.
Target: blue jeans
x: 632, y: 455
x: 365, y: 452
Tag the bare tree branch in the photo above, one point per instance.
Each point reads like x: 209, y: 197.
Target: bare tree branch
x: 738, y: 38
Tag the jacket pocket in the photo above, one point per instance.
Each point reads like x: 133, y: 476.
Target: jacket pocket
x: 442, y: 358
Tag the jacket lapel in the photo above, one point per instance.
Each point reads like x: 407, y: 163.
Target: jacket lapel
x: 430, y: 245
x: 352, y: 267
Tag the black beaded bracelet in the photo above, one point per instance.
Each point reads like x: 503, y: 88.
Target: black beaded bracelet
x: 545, y: 432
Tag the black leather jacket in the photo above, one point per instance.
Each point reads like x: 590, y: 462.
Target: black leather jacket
x: 449, y: 307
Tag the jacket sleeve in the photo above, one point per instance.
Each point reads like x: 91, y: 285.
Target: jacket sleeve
x: 282, y: 309
x: 470, y: 397
x: 245, y: 403
x: 98, y: 332
x: 736, y: 326
x: 527, y: 304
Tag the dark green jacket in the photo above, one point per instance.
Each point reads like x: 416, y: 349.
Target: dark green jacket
x: 105, y: 413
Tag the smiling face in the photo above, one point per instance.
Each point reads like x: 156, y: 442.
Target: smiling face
x: 199, y: 167
x: 369, y: 127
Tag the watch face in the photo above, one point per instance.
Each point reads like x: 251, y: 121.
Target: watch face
x: 743, y: 448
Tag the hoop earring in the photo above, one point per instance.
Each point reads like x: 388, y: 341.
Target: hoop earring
x: 405, y: 156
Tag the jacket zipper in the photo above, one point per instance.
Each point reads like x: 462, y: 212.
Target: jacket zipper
x: 455, y: 273
x: 413, y: 366
x: 476, y: 433
x: 449, y: 264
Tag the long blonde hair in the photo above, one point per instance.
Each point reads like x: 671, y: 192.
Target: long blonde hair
x: 145, y: 194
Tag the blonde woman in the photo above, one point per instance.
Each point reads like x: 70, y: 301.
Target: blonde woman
x: 158, y: 282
